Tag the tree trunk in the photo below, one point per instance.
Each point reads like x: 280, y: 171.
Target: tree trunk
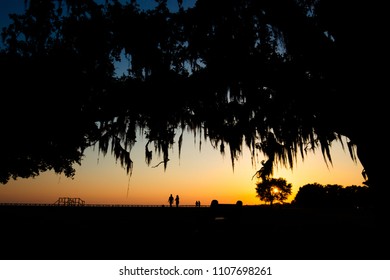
x: 373, y: 155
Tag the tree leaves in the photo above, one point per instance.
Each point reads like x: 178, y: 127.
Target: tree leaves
x: 254, y: 73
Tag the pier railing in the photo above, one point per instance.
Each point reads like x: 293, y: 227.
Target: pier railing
x: 95, y: 205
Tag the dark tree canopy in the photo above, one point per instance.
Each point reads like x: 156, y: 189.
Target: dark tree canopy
x: 331, y: 196
x: 282, y: 77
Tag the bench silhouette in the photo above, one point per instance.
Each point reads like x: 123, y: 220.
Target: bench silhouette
x: 223, y: 211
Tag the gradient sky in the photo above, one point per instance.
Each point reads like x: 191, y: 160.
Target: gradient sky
x: 198, y: 175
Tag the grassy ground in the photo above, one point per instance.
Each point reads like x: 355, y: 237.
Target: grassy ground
x: 190, y: 233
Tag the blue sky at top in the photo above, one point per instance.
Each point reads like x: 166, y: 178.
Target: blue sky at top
x: 17, y: 6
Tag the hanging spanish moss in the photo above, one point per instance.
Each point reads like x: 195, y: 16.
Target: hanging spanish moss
x: 259, y: 75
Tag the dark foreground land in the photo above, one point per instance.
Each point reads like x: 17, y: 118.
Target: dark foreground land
x: 114, y: 233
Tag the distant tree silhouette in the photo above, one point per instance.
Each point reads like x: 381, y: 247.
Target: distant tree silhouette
x: 311, y: 195
x: 274, y: 189
x: 357, y: 197
x: 333, y: 196
x: 280, y: 77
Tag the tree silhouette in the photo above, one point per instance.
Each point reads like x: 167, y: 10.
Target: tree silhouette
x: 280, y: 77
x: 357, y: 196
x: 333, y: 196
x: 311, y: 195
x: 274, y: 189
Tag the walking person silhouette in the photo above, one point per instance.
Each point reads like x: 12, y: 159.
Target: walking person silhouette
x: 177, y: 200
x: 170, y: 200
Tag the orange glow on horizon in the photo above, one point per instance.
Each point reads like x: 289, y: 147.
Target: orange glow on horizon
x: 198, y: 175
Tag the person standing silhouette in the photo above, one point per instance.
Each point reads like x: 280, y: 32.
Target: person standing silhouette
x: 170, y: 200
x: 177, y: 200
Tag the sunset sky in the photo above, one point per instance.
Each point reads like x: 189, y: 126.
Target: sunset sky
x: 198, y: 175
